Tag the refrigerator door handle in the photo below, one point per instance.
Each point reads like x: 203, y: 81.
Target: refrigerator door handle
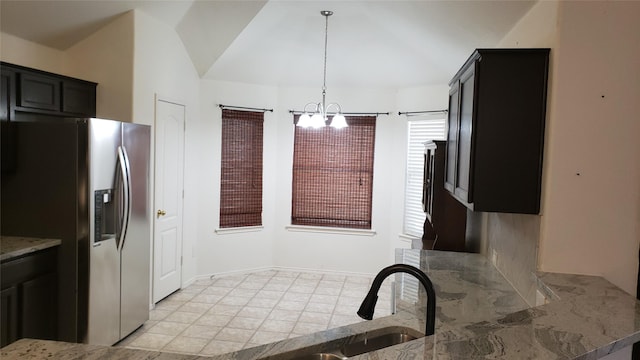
x: 123, y: 161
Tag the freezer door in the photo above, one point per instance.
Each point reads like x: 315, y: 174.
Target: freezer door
x: 136, y: 248
x: 107, y: 200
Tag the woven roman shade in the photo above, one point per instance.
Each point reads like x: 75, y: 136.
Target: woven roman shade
x: 241, y: 175
x: 333, y: 174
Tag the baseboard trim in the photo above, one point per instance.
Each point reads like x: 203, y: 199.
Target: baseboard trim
x: 276, y: 268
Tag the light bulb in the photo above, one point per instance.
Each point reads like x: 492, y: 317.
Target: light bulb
x: 338, y: 121
x: 317, y: 121
x: 304, y: 120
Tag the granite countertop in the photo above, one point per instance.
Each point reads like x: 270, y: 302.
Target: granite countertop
x: 479, y: 316
x: 15, y: 246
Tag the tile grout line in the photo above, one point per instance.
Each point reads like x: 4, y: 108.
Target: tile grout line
x: 203, y: 314
x: 272, y: 308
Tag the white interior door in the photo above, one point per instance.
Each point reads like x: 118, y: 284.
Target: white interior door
x: 169, y: 160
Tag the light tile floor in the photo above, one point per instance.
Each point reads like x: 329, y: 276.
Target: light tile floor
x: 234, y: 312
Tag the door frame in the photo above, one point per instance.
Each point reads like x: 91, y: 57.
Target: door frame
x: 158, y: 98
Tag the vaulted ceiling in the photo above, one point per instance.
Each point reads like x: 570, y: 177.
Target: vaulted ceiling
x: 373, y: 43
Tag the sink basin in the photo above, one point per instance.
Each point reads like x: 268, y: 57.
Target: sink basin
x: 375, y: 343
x: 358, y: 344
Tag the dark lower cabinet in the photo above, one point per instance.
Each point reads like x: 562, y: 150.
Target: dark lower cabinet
x: 38, y: 318
x: 29, y: 297
x: 9, y: 316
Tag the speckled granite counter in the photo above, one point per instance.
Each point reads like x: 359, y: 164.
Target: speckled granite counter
x: 15, y: 246
x: 479, y: 316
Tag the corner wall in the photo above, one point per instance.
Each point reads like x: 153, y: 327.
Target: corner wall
x: 275, y: 245
x: 162, y: 68
x: 590, y: 220
x: 18, y: 51
x: 591, y: 223
x: 106, y: 57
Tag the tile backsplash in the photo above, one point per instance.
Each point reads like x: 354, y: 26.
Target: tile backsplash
x: 512, y: 243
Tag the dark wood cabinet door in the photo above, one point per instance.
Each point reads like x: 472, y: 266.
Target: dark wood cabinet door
x: 452, y: 138
x: 9, y: 316
x: 39, y: 307
x: 79, y: 98
x: 30, y: 297
x: 39, y: 92
x: 7, y: 104
x: 5, y: 95
x: 427, y: 181
x: 464, y: 159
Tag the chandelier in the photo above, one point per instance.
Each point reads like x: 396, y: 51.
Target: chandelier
x: 315, y: 115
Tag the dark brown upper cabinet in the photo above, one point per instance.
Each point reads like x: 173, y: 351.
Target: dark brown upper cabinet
x: 25, y: 91
x: 497, y: 109
x: 35, y: 91
x: 79, y: 98
x: 38, y: 91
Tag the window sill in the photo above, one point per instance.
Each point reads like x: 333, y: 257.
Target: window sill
x: 237, y: 230
x: 409, y: 238
x: 330, y: 230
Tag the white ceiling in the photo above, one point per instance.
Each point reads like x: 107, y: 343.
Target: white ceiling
x: 373, y: 43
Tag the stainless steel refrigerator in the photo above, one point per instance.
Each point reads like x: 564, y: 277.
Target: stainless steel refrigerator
x: 86, y: 181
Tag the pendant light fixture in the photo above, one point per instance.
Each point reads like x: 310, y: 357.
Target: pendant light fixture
x: 315, y: 115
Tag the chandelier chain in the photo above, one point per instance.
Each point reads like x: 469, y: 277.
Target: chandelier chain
x: 326, y: 37
x: 321, y: 111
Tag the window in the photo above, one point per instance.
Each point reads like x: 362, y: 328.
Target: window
x: 420, y: 129
x: 333, y: 174
x: 241, y: 174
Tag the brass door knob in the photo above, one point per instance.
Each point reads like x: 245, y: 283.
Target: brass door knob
x: 161, y: 213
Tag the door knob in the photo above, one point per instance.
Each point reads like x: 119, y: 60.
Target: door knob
x: 161, y: 213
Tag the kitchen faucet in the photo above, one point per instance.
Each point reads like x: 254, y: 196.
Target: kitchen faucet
x: 369, y: 303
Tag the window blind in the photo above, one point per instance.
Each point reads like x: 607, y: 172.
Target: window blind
x: 420, y: 129
x: 241, y: 173
x: 333, y: 174
x: 409, y: 285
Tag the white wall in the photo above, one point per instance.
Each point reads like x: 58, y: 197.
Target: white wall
x: 591, y: 222
x: 231, y: 252
x: 18, y: 51
x: 331, y: 251
x: 106, y: 57
x: 514, y: 238
x: 275, y: 245
x: 162, y: 68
